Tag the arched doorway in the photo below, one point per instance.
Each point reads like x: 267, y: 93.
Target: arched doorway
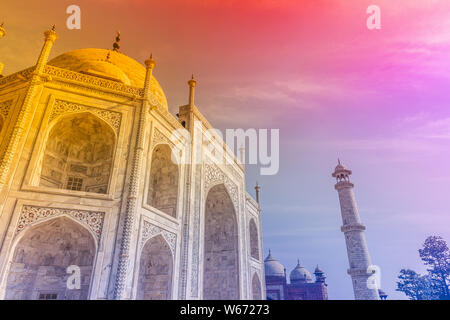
x: 256, y: 288
x: 155, y: 271
x: 39, y: 268
x: 254, y: 243
x: 163, y: 186
x: 78, y: 154
x: 221, y: 270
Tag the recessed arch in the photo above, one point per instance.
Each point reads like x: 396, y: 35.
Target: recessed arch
x: 39, y: 265
x: 254, y: 243
x: 79, y: 154
x: 163, y: 181
x: 221, y: 256
x: 155, y: 270
x: 256, y: 287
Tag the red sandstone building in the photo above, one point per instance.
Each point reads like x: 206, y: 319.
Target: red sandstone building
x: 301, y: 286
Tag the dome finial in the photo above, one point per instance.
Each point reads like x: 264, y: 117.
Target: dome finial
x: 150, y: 63
x: 2, y: 30
x: 116, y: 45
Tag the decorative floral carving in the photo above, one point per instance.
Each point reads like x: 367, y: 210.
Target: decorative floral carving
x: 150, y: 230
x: 214, y: 175
x: 25, y: 74
x: 93, y: 81
x: 196, y: 232
x: 93, y: 220
x: 60, y: 107
x: 159, y: 137
x: 5, y: 107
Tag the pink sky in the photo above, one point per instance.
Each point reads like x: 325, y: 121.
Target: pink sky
x: 377, y: 99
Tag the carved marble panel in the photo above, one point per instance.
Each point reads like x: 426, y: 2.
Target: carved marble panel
x: 61, y: 107
x: 5, y: 107
x: 214, y: 175
x: 30, y: 215
x: 149, y: 230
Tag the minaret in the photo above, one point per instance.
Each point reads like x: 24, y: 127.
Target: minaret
x: 258, y: 190
x: 353, y: 229
x: 192, y: 83
x: 28, y: 107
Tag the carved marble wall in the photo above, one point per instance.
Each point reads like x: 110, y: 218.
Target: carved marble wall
x: 220, y: 276
x: 163, y: 185
x: 198, y: 252
x: 4, y: 111
x: 254, y: 245
x: 155, y: 270
x: 256, y: 287
x: 39, y: 265
x: 78, y: 154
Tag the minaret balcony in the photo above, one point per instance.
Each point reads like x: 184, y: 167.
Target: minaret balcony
x: 353, y: 227
x: 360, y: 272
x: 343, y: 184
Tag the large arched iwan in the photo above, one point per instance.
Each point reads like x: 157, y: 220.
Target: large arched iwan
x: 221, y: 265
x: 79, y: 154
x: 39, y: 267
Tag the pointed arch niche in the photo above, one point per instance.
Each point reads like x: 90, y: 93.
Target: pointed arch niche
x: 41, y: 257
x: 256, y: 288
x: 221, y: 266
x: 163, y: 183
x: 254, y: 243
x: 155, y: 270
x: 79, y: 154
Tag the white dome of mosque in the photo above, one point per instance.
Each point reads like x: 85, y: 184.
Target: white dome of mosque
x: 273, y: 267
x: 300, y: 274
x: 110, y: 65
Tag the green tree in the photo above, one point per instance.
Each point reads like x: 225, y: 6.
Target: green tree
x: 415, y: 286
x: 435, y: 285
x: 436, y: 256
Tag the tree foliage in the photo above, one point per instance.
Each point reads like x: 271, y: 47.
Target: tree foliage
x: 435, y: 285
x: 436, y: 256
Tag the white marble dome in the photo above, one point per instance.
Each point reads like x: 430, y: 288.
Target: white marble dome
x: 300, y: 274
x: 273, y: 267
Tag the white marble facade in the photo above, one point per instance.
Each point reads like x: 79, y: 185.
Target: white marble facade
x: 88, y: 181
